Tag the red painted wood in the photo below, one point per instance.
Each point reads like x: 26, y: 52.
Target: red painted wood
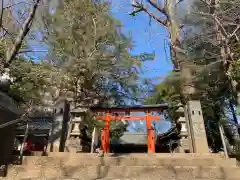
x: 105, y: 135
x: 129, y: 117
x: 151, y: 141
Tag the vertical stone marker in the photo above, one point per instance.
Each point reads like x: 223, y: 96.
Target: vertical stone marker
x: 197, y: 127
x: 58, y: 132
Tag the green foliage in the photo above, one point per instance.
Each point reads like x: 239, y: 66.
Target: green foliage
x: 29, y: 78
x: 167, y: 91
x: 238, y: 110
x: 139, y: 9
x: 30, y: 81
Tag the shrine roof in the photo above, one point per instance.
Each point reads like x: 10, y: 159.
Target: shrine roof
x: 131, y: 138
x: 138, y: 108
x: 172, y: 133
x: 141, y: 137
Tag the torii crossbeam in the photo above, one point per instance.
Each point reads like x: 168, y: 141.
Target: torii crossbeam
x: 111, y: 114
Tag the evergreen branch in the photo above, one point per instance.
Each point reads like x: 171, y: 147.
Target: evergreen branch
x: 134, y: 13
x: 1, y: 16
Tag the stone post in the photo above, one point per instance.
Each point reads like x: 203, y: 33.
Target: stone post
x: 198, y: 133
x: 58, y: 133
x: 95, y: 139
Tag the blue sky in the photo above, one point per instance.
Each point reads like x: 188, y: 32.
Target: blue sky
x: 147, y: 36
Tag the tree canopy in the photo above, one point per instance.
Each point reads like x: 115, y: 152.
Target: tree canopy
x: 88, y: 58
x: 209, y: 62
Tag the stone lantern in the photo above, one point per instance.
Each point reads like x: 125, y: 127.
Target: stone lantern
x: 77, y: 121
x: 184, y: 141
x: 77, y: 134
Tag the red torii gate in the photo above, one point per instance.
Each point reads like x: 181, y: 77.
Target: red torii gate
x: 127, y: 110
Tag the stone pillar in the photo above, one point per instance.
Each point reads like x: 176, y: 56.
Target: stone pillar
x: 58, y: 133
x: 197, y: 127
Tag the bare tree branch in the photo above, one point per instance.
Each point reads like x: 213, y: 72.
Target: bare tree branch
x: 1, y: 14
x: 11, y: 54
x: 158, y: 7
x: 237, y: 38
x: 155, y: 5
x: 235, y: 31
x: 5, y: 32
x: 29, y: 51
x: 14, y: 4
x: 216, y: 20
x: 206, y: 2
x: 157, y: 18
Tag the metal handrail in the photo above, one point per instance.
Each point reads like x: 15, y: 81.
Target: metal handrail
x: 223, y: 141
x: 24, y: 140
x: 10, y: 123
x: 230, y: 122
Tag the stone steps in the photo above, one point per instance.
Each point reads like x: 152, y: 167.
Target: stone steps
x: 125, y: 166
x: 57, y: 154
x: 131, y: 172
x: 139, y: 178
x: 87, y: 160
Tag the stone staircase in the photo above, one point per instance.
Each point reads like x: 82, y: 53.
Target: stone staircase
x: 122, y: 167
